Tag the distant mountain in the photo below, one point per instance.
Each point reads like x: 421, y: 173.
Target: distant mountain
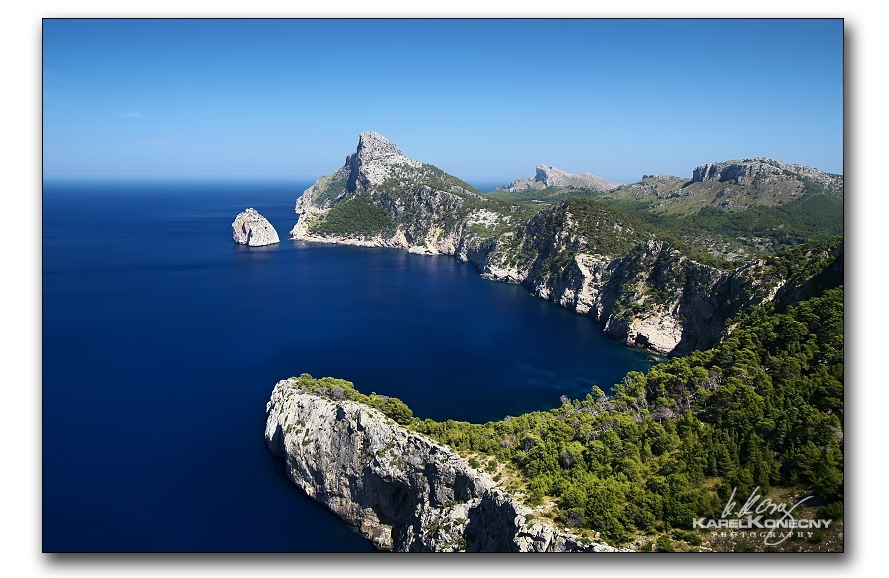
x: 733, y: 185
x: 552, y: 177
x: 732, y: 209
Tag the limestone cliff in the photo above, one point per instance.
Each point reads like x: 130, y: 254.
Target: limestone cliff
x: 642, y: 290
x: 403, y: 491
x: 547, y: 176
x: 251, y: 228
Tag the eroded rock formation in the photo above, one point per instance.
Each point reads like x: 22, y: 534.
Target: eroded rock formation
x: 251, y: 228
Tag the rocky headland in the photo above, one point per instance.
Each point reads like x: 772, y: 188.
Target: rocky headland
x: 251, y: 228
x: 403, y: 491
x: 381, y: 198
x: 579, y: 253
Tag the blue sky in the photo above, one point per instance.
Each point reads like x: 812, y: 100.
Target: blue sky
x: 486, y: 100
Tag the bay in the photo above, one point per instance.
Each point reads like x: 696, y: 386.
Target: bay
x: 162, y: 340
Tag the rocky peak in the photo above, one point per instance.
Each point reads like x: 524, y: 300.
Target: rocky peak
x: 417, y: 206
x: 373, y: 146
x: 373, y: 160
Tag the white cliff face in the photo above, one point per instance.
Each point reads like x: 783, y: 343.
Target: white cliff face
x: 251, y: 228
x: 403, y: 491
x: 654, y: 297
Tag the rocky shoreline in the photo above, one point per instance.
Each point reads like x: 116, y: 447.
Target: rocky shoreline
x: 687, y: 317
x: 641, y: 290
x: 403, y: 491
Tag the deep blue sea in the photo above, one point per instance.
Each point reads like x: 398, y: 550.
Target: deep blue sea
x: 162, y: 340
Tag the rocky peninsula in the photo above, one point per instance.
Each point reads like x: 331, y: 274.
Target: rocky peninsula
x: 579, y: 253
x: 403, y: 491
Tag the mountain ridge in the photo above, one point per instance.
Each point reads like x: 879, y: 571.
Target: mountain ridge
x: 737, y: 209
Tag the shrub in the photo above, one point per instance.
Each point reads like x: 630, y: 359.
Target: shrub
x: 816, y: 538
x: 664, y: 544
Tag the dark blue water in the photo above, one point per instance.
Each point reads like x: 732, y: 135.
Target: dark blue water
x: 162, y: 340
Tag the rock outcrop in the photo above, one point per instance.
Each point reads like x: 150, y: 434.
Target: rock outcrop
x: 761, y: 168
x: 403, y: 491
x: 547, y: 176
x: 251, y: 228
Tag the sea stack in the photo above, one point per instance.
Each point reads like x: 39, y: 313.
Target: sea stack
x: 251, y: 228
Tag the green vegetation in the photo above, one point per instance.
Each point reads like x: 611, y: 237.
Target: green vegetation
x: 439, y: 180
x: 812, y: 216
x: 689, y: 537
x: 356, y: 216
x: 805, y: 261
x: 764, y: 408
x: 340, y: 389
x: 609, y: 231
x: 586, y: 226
x: 483, y: 231
x: 761, y: 412
x: 664, y: 544
x: 420, y: 201
x: 330, y: 189
x: 548, y: 195
x: 718, y: 218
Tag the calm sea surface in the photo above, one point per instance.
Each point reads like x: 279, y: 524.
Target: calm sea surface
x: 162, y: 340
